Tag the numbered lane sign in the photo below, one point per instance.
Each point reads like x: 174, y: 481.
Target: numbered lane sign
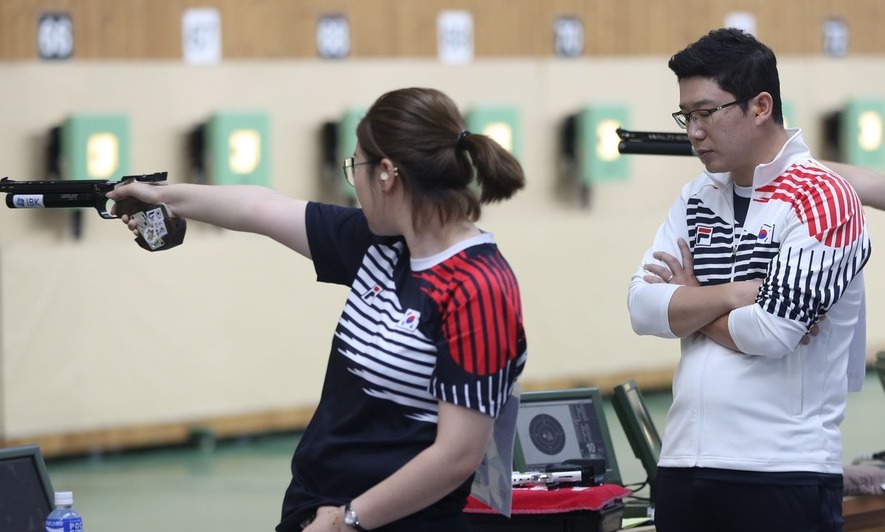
x: 201, y: 35
x: 55, y: 36
x: 454, y: 36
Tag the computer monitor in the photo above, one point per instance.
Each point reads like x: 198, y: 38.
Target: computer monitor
x: 559, y: 425
x: 633, y: 414
x: 26, y: 495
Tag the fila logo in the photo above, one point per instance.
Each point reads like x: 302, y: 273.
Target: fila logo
x: 704, y: 235
x: 409, y: 321
x: 371, y: 294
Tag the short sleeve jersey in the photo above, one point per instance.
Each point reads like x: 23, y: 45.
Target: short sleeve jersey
x: 412, y: 333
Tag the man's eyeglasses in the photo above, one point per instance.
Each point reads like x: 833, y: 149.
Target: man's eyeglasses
x: 350, y: 165
x: 701, y: 117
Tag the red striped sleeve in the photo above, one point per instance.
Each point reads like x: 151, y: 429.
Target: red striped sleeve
x: 478, y: 300
x: 825, y: 203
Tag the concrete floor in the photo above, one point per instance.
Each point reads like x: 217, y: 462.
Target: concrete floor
x: 237, y: 486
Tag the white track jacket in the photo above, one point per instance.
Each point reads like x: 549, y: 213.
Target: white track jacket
x: 775, y: 405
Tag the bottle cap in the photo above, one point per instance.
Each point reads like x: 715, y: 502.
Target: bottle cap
x: 64, y: 498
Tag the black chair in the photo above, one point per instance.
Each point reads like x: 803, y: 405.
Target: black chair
x: 880, y: 366
x: 634, y: 416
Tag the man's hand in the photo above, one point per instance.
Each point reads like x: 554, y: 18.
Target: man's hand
x: 815, y: 330
x: 676, y: 271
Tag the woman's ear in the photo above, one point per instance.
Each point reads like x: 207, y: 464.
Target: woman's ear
x: 388, y: 170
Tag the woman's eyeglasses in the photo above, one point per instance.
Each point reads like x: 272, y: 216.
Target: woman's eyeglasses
x: 350, y: 165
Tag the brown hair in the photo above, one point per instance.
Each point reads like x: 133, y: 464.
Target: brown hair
x: 422, y: 132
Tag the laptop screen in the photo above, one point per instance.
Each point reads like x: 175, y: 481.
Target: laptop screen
x: 26, y: 495
x: 559, y: 425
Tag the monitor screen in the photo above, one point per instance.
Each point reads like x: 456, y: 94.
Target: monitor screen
x: 555, y: 426
x: 26, y: 495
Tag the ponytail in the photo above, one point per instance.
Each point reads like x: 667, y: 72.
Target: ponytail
x: 498, y: 172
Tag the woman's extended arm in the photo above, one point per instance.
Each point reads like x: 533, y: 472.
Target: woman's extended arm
x: 248, y: 208
x: 869, y: 185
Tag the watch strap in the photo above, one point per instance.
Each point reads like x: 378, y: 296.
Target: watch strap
x: 351, y: 519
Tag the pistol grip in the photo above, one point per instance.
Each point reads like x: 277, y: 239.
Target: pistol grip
x: 157, y: 229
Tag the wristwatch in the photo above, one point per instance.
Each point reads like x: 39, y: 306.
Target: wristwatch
x: 351, y: 519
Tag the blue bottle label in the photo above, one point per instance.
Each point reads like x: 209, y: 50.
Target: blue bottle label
x: 64, y: 525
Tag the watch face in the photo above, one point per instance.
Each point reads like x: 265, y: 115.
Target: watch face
x: 349, y: 518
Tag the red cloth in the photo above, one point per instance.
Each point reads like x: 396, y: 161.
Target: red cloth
x: 540, y: 500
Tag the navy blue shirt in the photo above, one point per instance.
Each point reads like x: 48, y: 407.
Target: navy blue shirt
x: 412, y: 333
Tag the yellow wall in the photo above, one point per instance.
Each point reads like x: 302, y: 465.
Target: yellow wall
x: 98, y: 334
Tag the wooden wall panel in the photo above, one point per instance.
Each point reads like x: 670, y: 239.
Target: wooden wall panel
x: 688, y: 22
x: 114, y: 29
x: 596, y: 33
x: 866, y: 26
x: 629, y: 19
x: 18, y: 20
x: 510, y: 28
x: 278, y: 29
x: 160, y: 32
x: 261, y: 28
x: 304, y: 17
x: 387, y: 28
x: 12, y: 31
x: 269, y: 29
x: 414, y: 29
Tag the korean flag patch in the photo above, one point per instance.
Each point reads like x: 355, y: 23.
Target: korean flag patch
x: 409, y: 321
x: 766, y: 233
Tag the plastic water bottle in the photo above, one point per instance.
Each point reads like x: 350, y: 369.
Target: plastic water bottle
x: 64, y: 518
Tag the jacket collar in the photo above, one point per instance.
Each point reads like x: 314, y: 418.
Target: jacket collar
x: 794, y: 149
